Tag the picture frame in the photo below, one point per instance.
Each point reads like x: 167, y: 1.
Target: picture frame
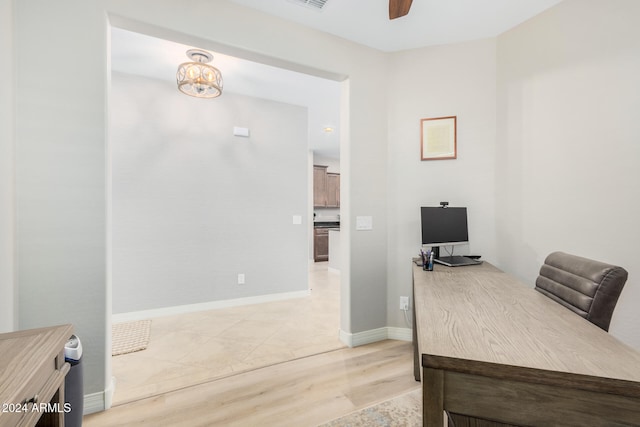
x: 438, y: 139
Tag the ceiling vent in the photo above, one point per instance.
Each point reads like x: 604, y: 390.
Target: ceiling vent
x: 313, y: 4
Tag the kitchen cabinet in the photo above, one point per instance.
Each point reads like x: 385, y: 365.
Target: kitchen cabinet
x: 326, y: 188
x: 333, y: 190
x: 319, y: 186
x: 320, y: 244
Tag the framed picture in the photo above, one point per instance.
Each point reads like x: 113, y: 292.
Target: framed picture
x: 438, y: 138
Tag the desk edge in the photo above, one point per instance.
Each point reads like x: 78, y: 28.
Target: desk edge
x: 533, y: 375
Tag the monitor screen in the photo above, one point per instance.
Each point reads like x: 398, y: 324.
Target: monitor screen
x: 444, y: 226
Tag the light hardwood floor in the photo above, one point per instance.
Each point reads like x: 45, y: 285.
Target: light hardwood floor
x: 273, y: 364
x: 303, y: 392
x: 192, y: 348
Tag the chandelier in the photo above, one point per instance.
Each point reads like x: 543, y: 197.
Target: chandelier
x: 197, y: 78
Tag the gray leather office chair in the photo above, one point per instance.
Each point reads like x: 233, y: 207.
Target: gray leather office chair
x: 586, y: 287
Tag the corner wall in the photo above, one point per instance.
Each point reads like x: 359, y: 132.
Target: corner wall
x: 60, y: 145
x: 567, y: 152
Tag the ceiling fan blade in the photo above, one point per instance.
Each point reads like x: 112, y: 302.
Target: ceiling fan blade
x: 398, y: 8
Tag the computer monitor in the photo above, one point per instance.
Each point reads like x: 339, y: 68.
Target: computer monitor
x: 445, y: 226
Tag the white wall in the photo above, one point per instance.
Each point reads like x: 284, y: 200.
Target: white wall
x: 194, y: 206
x: 568, y: 151
x: 7, y: 206
x: 365, y: 170
x: 60, y: 125
x: 453, y: 80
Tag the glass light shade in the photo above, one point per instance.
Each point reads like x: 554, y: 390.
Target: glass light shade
x: 199, y: 79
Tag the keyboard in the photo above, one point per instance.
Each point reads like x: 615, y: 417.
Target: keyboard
x: 456, y: 261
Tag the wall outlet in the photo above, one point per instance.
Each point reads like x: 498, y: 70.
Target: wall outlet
x: 241, y: 279
x: 404, y: 303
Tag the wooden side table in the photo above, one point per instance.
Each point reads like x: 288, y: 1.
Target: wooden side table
x: 32, y: 373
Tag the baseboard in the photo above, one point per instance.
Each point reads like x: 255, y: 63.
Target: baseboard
x: 108, y: 394
x: 93, y: 403
x: 98, y: 402
x: 400, y: 334
x: 211, y: 305
x: 375, y: 335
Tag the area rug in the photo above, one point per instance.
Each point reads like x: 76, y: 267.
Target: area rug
x: 130, y: 336
x: 402, y: 411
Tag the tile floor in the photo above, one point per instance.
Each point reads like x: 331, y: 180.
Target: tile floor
x: 192, y: 348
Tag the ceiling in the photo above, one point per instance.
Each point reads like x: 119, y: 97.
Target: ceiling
x: 429, y: 22
x: 140, y: 54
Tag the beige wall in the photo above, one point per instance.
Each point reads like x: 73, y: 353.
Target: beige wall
x: 452, y: 80
x: 547, y: 134
x: 567, y: 150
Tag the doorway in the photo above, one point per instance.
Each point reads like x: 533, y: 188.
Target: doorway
x: 198, y: 239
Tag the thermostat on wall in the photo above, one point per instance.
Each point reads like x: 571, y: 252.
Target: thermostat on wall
x: 238, y: 131
x: 364, y: 223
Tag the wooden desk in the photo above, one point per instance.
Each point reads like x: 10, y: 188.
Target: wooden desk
x: 32, y: 372
x: 494, y: 349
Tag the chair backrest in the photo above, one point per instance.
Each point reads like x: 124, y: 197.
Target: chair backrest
x: 586, y: 287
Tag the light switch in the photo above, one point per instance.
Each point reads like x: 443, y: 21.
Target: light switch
x: 297, y: 219
x: 364, y: 223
